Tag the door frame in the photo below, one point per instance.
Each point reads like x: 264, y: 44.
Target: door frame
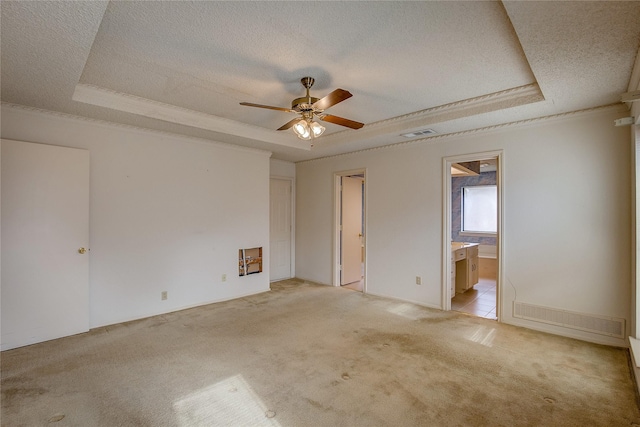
x: 337, y: 208
x: 446, y: 222
x: 292, y: 236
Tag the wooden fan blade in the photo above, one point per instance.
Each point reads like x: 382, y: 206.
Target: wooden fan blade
x: 333, y: 98
x: 289, y: 124
x: 340, y: 121
x: 249, y: 104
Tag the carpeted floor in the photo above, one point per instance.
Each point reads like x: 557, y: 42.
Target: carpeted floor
x: 309, y: 355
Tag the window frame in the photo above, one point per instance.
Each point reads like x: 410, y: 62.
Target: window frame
x: 476, y: 233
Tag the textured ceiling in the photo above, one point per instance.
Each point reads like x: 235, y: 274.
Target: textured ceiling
x: 184, y: 67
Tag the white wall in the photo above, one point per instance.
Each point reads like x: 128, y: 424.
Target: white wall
x: 282, y: 169
x: 566, y: 217
x: 166, y: 214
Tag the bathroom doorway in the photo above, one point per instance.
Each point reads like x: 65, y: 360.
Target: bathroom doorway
x: 472, y: 234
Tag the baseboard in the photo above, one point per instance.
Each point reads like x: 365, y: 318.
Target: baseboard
x: 280, y: 280
x: 634, y: 349
x: 422, y: 304
x: 564, y: 332
x: 313, y: 282
x: 179, y: 308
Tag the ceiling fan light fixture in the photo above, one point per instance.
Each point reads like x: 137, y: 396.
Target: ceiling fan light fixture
x: 302, y: 129
x: 317, y: 129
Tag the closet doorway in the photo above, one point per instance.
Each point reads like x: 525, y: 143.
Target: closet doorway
x: 350, y: 226
x: 472, y: 236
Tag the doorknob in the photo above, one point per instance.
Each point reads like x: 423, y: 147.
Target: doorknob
x: 359, y: 234
x: 82, y: 251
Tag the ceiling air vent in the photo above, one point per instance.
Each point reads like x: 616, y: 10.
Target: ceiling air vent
x: 423, y: 132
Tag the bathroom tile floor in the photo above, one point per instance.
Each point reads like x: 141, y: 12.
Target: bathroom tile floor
x: 479, y: 301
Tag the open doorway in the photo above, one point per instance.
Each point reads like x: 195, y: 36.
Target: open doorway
x: 350, y: 225
x: 472, y: 234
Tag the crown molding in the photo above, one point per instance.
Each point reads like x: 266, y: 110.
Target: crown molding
x: 634, y: 80
x: 107, y: 98
x: 618, y: 107
x: 284, y: 162
x: 634, y: 84
x: 508, y: 98
x: 120, y: 126
x: 102, y: 97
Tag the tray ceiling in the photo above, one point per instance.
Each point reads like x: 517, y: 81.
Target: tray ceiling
x: 184, y: 67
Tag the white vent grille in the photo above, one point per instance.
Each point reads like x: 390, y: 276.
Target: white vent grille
x: 610, y: 326
x: 422, y: 132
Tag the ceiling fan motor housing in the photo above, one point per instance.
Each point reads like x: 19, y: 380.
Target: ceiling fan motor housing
x: 304, y: 104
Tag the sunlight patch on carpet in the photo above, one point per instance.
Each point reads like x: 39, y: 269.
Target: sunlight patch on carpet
x: 231, y: 402
x: 482, y: 335
x: 409, y: 311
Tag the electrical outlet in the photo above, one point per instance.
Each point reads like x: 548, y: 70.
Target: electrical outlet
x: 418, y: 280
x: 163, y: 295
x: 224, y: 277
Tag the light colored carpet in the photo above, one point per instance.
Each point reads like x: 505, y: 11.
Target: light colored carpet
x: 309, y: 355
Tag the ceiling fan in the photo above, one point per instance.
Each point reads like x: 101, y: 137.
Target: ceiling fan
x: 308, y: 108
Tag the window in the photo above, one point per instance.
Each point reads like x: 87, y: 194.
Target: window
x: 480, y: 209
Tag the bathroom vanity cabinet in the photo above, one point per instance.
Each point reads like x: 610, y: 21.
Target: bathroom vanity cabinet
x: 464, y: 261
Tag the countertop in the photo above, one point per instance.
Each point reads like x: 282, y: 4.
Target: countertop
x: 459, y: 245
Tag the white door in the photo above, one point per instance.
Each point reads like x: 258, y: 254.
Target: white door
x: 351, y: 236
x: 45, y: 222
x: 280, y: 229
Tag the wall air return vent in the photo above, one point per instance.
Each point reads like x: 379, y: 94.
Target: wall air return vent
x: 423, y: 132
x: 603, y: 325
